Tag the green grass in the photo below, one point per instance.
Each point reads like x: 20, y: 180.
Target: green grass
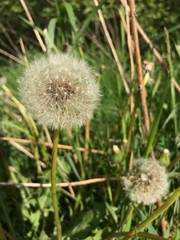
x: 99, y: 210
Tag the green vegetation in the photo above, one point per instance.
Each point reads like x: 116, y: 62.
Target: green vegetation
x: 104, y: 149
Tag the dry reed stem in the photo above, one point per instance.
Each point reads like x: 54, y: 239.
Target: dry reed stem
x: 129, y: 41
x: 131, y: 52
x: 123, y: 20
x: 23, y: 51
x: 144, y: 35
x: 139, y: 66
x: 47, y: 144
x: 41, y: 43
x: 69, y: 194
x: 48, y: 137
x: 126, y: 24
x: 9, y: 55
x: 148, y: 41
x: 177, y: 86
x: 65, y: 184
x: 22, y: 149
x: 108, y: 37
x: 26, y: 152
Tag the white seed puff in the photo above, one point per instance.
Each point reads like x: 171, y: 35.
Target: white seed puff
x: 150, y: 184
x: 59, y: 91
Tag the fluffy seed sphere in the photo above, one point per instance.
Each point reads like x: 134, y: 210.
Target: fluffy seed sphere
x: 59, y: 91
x: 151, y: 181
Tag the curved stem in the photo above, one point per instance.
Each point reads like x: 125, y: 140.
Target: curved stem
x: 53, y: 184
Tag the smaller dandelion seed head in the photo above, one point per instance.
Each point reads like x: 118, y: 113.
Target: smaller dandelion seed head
x: 59, y: 91
x: 151, y: 181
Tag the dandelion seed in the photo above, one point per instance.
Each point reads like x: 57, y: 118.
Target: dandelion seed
x: 59, y: 91
x: 151, y: 182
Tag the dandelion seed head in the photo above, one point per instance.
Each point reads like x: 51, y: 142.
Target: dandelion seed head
x: 150, y: 184
x: 59, y: 91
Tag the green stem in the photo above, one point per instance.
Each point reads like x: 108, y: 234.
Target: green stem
x: 53, y: 184
x: 159, y: 211
x: 140, y: 234
x: 150, y: 219
x: 171, y: 76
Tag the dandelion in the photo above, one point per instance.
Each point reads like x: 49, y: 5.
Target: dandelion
x: 59, y: 91
x: 150, y: 184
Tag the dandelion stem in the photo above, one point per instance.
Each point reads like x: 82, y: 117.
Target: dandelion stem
x: 53, y: 184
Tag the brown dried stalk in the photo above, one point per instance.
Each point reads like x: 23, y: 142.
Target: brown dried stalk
x: 23, y: 51
x: 139, y: 66
x: 108, y: 37
x: 65, y: 184
x: 47, y: 144
x: 41, y: 43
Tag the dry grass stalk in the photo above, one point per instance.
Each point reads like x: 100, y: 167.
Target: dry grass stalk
x: 139, y: 66
x: 23, y: 51
x: 41, y: 43
x: 47, y: 144
x: 9, y: 55
x: 65, y: 184
x: 106, y: 32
